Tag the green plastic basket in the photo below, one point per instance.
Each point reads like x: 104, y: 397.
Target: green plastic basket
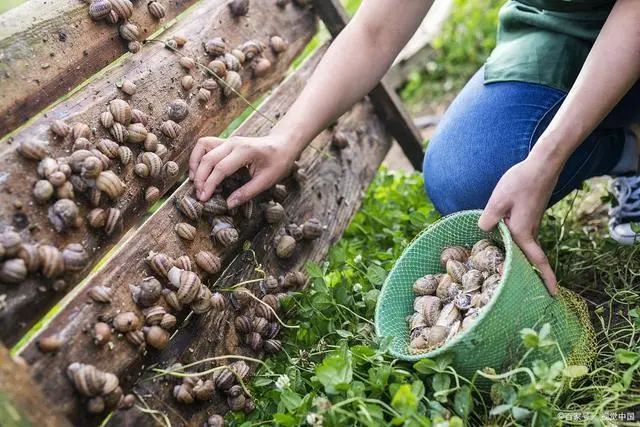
x: 521, y: 301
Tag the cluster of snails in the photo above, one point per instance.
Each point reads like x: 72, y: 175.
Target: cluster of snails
x: 19, y: 259
x: 287, y: 238
x: 448, y: 303
x: 101, y: 388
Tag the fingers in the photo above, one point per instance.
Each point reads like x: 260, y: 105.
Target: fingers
x: 492, y: 214
x: 203, y: 145
x: 208, y: 163
x: 257, y: 185
x: 536, y: 256
x: 227, y: 166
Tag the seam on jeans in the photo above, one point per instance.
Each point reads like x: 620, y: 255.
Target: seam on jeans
x: 535, y: 129
x: 566, y: 184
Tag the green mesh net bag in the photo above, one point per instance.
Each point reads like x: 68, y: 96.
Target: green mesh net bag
x: 521, y: 301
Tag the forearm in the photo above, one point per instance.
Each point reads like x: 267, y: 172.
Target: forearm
x: 611, y: 69
x: 356, y: 60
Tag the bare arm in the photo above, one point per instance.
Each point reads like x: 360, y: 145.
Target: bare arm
x: 355, y: 62
x: 611, y: 69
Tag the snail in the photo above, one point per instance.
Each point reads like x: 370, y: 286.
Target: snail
x: 186, y: 282
x: 153, y: 163
x: 456, y: 270
x: 123, y: 8
x: 101, y: 293
x: 462, y: 301
x: 261, y: 67
x: 487, y: 259
x: 224, y: 233
x: 161, y: 150
x: 270, y: 285
x: 202, y: 302
x: 80, y: 130
x: 300, y: 175
x: 285, y: 246
x: 43, y: 191
x: 274, y: 212
x: 29, y: 254
x: 125, y: 155
x: 218, y: 303
x: 91, y: 167
x: 247, y: 209
x: 126, y: 322
x: 448, y: 315
x: 75, y: 257
x: 272, y: 346
x: 33, y: 149
x: 51, y: 261
x: 126, y: 402
x: 183, y: 262
x: 65, y: 191
x: 119, y: 132
x: 480, y: 245
x: 272, y: 330
x: 112, y: 18
x: 13, y: 271
x: 114, y: 223
x: 134, y: 46
x: 295, y: 231
x: 429, y: 307
x: 189, y: 207
x: 156, y: 337
x: 170, y: 169
x: 180, y: 39
x: 236, y: 403
x: 11, y: 242
x: 252, y: 49
x: 215, y: 47
x: 168, y: 321
x: 183, y: 393
x: 279, y: 192
x: 208, y: 262
x: 263, y: 311
x: 109, y: 183
x: 427, y: 285
x: 151, y: 143
x: 157, y: 9
x: 187, y: 62
x: 127, y: 86
x: 233, y: 83
x: 239, y: 7
x: 187, y: 82
x: 136, y: 338
x: 99, y: 9
x: 210, y: 84
x: 101, y: 333
x: 238, y: 54
x: 160, y: 263
x: 49, y: 344
x: 216, y: 205
x: 121, y: 111
x: 106, y: 119
x: 260, y: 324
x: 312, y: 229
x: 243, y: 324
x: 139, y: 116
x: 203, y: 390
x: 472, y: 281
x: 171, y: 129
x: 96, y: 405
x: 340, y: 140
x: 231, y: 62
x: 177, y: 110
x: 57, y: 178
x: 97, y: 218
x: 153, y: 315
x: 76, y: 161
x: 458, y: 253
x: 60, y: 128
x: 215, y: 421
x: 47, y: 166
x: 272, y: 301
x: 147, y: 292
x: 136, y: 132
x: 141, y: 170
x: 240, y: 298
x: 217, y: 67
x: 87, y: 379
x: 129, y: 32
x: 491, y: 283
x: 108, y: 147
x: 278, y: 44
x: 203, y: 95
x: 294, y: 280
x: 171, y: 298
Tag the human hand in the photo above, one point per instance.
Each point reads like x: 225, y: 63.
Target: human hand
x: 520, y: 198
x: 214, y: 159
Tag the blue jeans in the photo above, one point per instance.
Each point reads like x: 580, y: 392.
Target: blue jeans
x: 489, y: 128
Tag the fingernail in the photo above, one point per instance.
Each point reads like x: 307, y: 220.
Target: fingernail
x: 232, y: 203
x: 191, y: 175
x: 200, y: 194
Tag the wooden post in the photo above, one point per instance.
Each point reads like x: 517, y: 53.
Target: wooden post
x: 386, y: 102
x: 21, y: 402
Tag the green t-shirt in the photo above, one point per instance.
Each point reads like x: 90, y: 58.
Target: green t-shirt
x: 545, y: 41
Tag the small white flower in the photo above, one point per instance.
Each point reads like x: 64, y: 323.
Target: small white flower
x: 322, y: 403
x: 357, y: 258
x: 314, y: 419
x: 357, y: 287
x: 283, y: 382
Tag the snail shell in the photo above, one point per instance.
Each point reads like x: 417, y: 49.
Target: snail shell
x: 435, y: 335
x: 171, y: 129
x: 123, y: 8
x: 254, y: 340
x: 29, y: 254
x: 91, y: 167
x: 136, y: 132
x: 472, y: 281
x: 491, y: 284
x: 129, y: 32
x: 125, y: 155
x: 225, y: 379
x: 80, y: 130
x: 251, y: 49
x: 63, y: 215
x: 208, y: 262
x: 108, y: 147
x: 457, y: 253
x: 136, y: 338
x: 294, y: 280
x: 224, y: 233
x: 171, y: 298
x: 218, y: 303
x: 141, y: 170
x: 75, y: 257
x: 126, y: 322
x: 233, y: 83
x: 51, y: 261
x: 285, y: 247
x: 216, y: 205
x: 203, y: 95
x: 134, y: 46
x: 312, y: 229
x: 99, y: 9
x: 101, y: 293
x: 243, y: 324
x: 217, y: 67
x: 126, y: 402
x: 469, y: 320
x: 263, y: 311
x: 76, y: 161
x: 429, y: 307
x: 456, y: 270
x: 153, y: 163
x: 177, y: 110
x: 156, y: 337
x: 448, y: 315
x: 203, y: 390
x: 215, y: 47
x: 282, y: 3
x: 186, y: 282
x: 151, y: 143
x: 87, y: 379
x: 416, y: 321
x: 180, y: 39
x: 168, y: 321
x: 274, y: 212
x: 112, y: 18
x: 47, y: 166
x: 65, y: 191
x: 43, y: 191
x: 272, y: 330
x: 170, y: 169
x: 160, y: 263
x: 231, y: 62
x: 279, y: 192
x: 261, y: 67
x: 427, y: 285
x: 183, y: 393
x: 481, y: 245
x: 270, y: 285
x: 11, y: 242
x: 49, y: 344
x: 295, y: 231
x: 236, y: 403
x: 57, y: 178
x: 119, y: 132
x: 239, y: 7
x: 184, y: 263
x: 487, y: 259
x: 114, y: 222
x: 97, y: 218
x: 101, y: 333
x: 300, y: 175
x: 187, y: 62
x: 239, y: 55
x: 33, y: 150
x: 260, y: 324
x: 106, y: 119
x: 157, y: 9
x: 60, y: 128
x: 13, y: 271
x: 187, y: 82
x: 272, y: 346
x: 443, y: 285
x: 278, y: 44
x: 202, y: 303
x: 127, y: 86
x: 462, y: 301
x: 210, y: 84
x: 121, y: 111
x: 247, y: 209
x: 189, y: 207
x: 109, y: 183
x: 272, y: 301
x: 185, y: 231
x: 146, y: 293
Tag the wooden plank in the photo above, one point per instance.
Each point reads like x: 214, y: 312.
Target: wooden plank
x: 49, y: 47
x: 156, y: 72
x: 127, y: 266
x: 322, y: 196
x: 21, y: 402
x: 386, y: 102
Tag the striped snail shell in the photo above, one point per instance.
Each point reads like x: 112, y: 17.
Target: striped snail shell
x: 110, y: 184
x: 153, y: 162
x: 91, y: 167
x: 215, y: 47
x: 186, y: 282
x: 160, y: 263
x: 448, y: 315
x: 210, y: 84
x: 147, y: 293
x: 80, y: 130
x: 47, y: 166
x: 491, y: 283
x: 247, y: 209
x: 272, y: 346
x: 111, y: 383
x: 279, y: 192
x: 106, y: 119
x: 426, y: 285
x: 119, y: 132
x: 217, y: 67
x: 121, y: 111
x: 274, y: 212
x: 189, y: 207
x: 99, y: 9
x: 202, y: 302
x: 136, y: 132
x: 243, y: 324
x: 472, y: 281
x: 278, y: 44
x: 216, y: 205
x: 462, y: 301
x: 183, y: 393
x: 251, y: 49
x: 157, y: 9
x: 60, y: 128
x: 170, y: 169
x: 270, y: 285
x: 108, y: 147
x: 183, y: 262
x: 185, y: 231
x: 126, y: 322
x: 101, y: 333
x: 33, y: 149
x: 114, y: 221
x: 208, y: 262
x: 177, y: 110
x: 443, y: 284
x: 456, y: 270
x: 187, y: 62
x: 139, y: 116
x: 458, y: 253
x: 112, y: 18
x: 125, y: 155
x: 261, y: 67
x: 294, y: 280
x: 240, y: 297
x: 481, y: 245
x: 171, y: 298
x: 156, y: 337
x: 29, y: 254
x: 81, y: 144
x: 233, y: 83
x: 262, y: 311
x: 429, y: 307
x: 487, y: 259
x: 101, y: 293
x: 152, y: 194
x: 273, y: 330
x: 13, y: 271
x: 203, y: 390
x: 171, y: 129
x: 97, y: 218
x: 203, y: 95
x: 224, y: 233
x: 260, y: 324
x: 218, y: 303
x: 241, y: 369
x: 141, y: 170
x: 87, y: 379
x: 129, y: 32
x: 136, y: 338
x: 239, y: 7
x: 123, y: 8
x: 312, y: 229
x: 272, y: 301
x: 285, y: 246
x: 238, y: 54
x: 11, y: 242
x: 63, y: 215
x: 187, y: 82
x: 76, y: 160
x: 168, y: 321
x: 106, y: 162
x: 75, y: 257
x: 231, y: 62
x: 254, y: 340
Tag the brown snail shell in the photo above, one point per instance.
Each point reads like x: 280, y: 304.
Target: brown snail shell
x: 112, y: 18
x: 177, y: 110
x: 106, y: 119
x: 13, y: 271
x: 295, y: 231
x: 239, y: 7
x: 187, y: 62
x: 469, y: 320
x: 300, y: 175
x: 241, y: 368
x: 312, y: 229
x: 216, y: 205
x: 43, y: 191
x: 146, y: 293
x: 127, y: 86
x: 123, y: 8
x: 254, y: 340
x: 114, y: 222
x: 49, y: 344
x: 261, y: 67
x: 168, y: 321
x: 487, y: 259
x: 109, y: 183
x: 51, y: 261
x: 278, y: 44
x: 121, y: 111
x: 429, y: 307
x: 101, y: 333
x: 225, y: 379
x: 99, y: 9
x: 47, y: 166
x: 91, y: 167
x: 152, y: 194
x: 231, y: 62
x: 274, y: 212
x: 171, y: 129
x: 125, y: 155
x: 251, y: 49
x: 416, y: 321
x: 57, y: 178
x: 481, y: 245
x: 260, y: 324
x: 11, y: 242
x: 435, y: 335
x: 134, y: 46
x: 139, y: 116
x: 233, y: 83
x: 153, y: 163
x: 157, y: 9
x: 202, y: 302
x: 241, y: 297
x: 29, y: 254
x: 239, y: 55
x: 189, y: 207
x: 247, y: 209
x: 119, y: 132
x: 183, y: 262
x: 272, y: 301
x: 203, y: 95
x: 136, y: 132
x: 272, y: 330
x: 263, y: 310
x: 210, y: 84
x: 272, y: 346
x: 236, y: 403
x: 224, y: 233
x: 183, y: 393
x: 180, y: 39
x: 243, y: 324
x: 80, y: 130
x: 126, y: 322
x: 294, y: 280
x: 101, y: 293
x: 126, y: 402
x: 457, y: 253
x: 187, y: 82
x: 75, y: 257
x: 76, y: 160
x: 171, y: 298
x: 456, y: 270
x: 108, y: 147
x: 129, y: 32
x: 136, y: 338
x: 472, y: 281
x: 87, y: 379
x: 208, y: 262
x: 160, y: 263
x: 33, y: 150
x: 141, y: 170
x: 97, y: 218
x: 218, y: 303
x: 186, y: 282
x: 60, y: 128
x: 426, y: 285
x: 156, y: 337
x: 170, y: 169
x: 65, y: 191
x: 215, y: 47
x: 448, y: 315
x: 271, y: 285
x: 203, y: 390
x: 279, y: 192
x: 285, y: 247
x: 491, y: 284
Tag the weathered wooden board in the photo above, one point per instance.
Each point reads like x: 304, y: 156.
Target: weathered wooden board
x: 49, y: 47
x: 156, y: 72
x: 333, y: 194
x: 127, y: 266
x: 21, y: 402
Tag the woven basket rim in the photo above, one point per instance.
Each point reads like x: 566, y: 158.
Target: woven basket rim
x: 507, y: 242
